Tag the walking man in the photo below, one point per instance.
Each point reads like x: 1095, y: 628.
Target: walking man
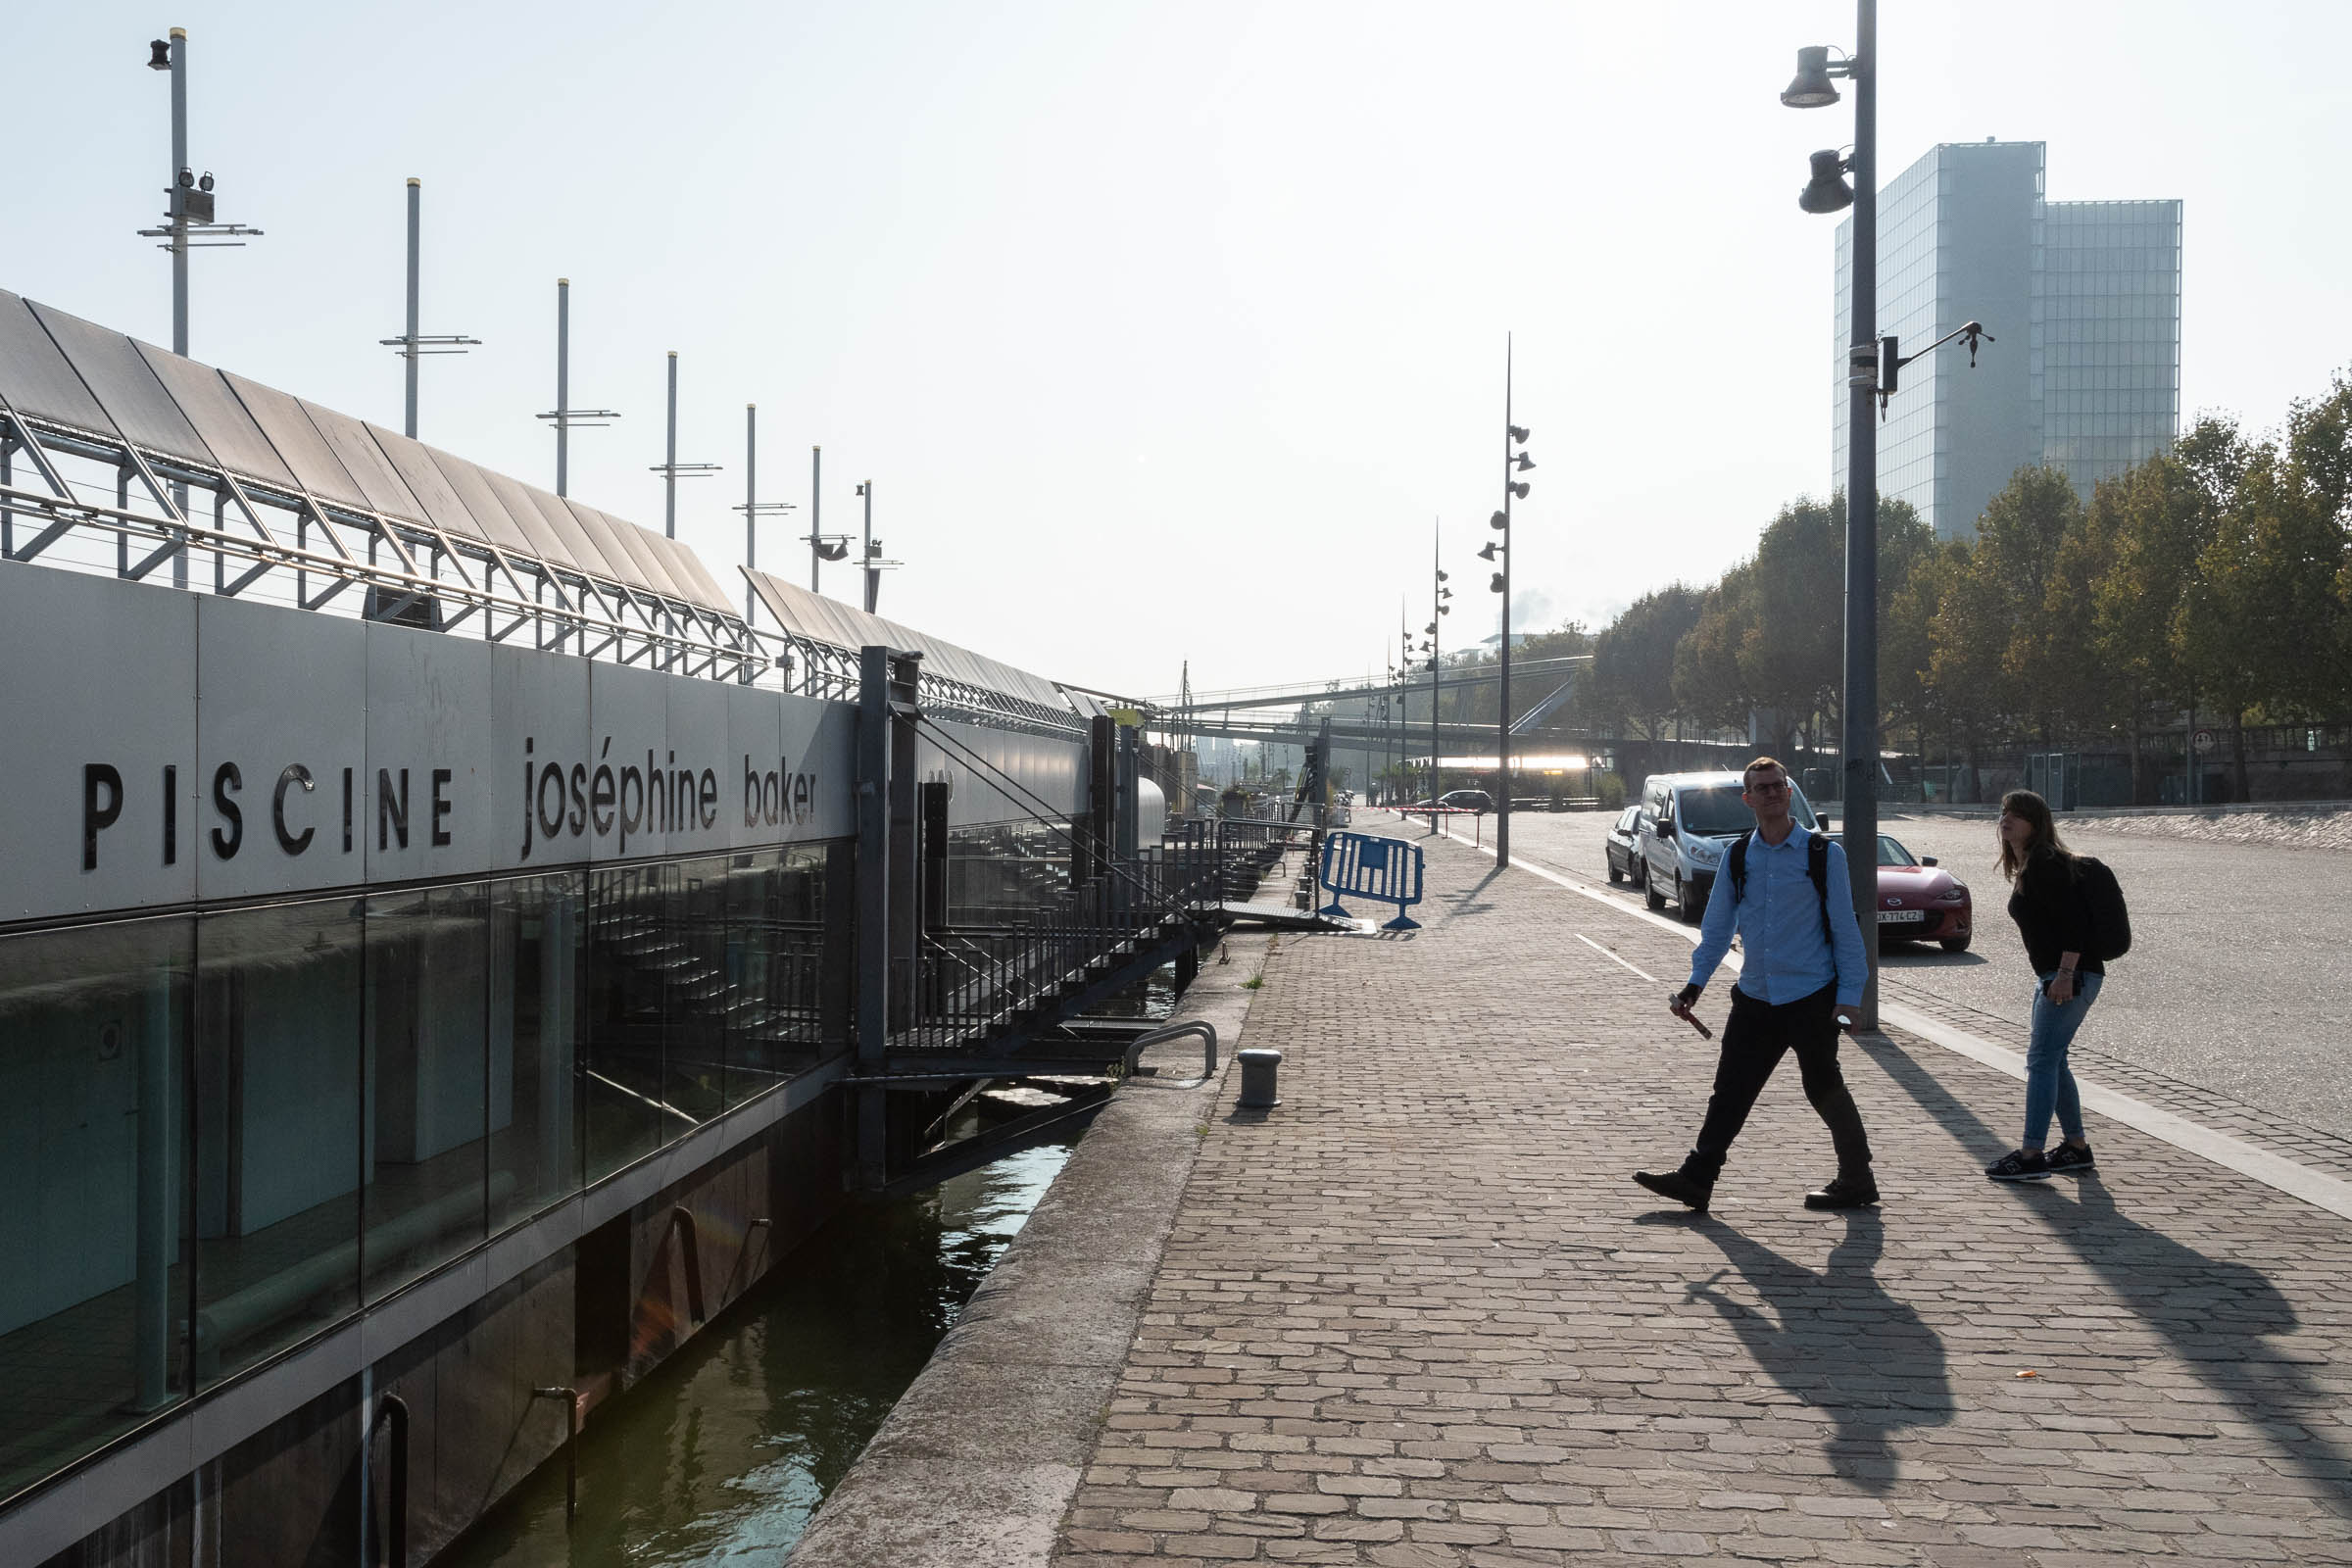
x: 1784, y: 891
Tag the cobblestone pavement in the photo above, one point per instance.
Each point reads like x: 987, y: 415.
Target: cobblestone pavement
x: 1418, y: 1315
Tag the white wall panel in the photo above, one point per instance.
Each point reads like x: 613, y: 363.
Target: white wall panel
x: 94, y: 674
x: 281, y: 697
x: 428, y: 739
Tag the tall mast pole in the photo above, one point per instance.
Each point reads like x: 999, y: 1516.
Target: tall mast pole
x: 1437, y: 618
x: 415, y: 220
x: 1860, y: 740
x: 1502, y: 723
x: 873, y: 574
x: 750, y: 502
x: 179, y: 205
x: 563, y: 385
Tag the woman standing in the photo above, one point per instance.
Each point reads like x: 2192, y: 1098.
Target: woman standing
x: 2047, y: 904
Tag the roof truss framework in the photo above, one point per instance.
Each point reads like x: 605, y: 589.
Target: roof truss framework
x: 825, y: 635
x: 75, y: 397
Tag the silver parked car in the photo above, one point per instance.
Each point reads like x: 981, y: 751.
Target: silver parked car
x: 1687, y: 821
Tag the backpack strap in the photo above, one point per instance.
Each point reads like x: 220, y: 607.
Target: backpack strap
x: 1817, y: 866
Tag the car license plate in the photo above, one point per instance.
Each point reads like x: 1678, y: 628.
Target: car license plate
x: 1900, y: 916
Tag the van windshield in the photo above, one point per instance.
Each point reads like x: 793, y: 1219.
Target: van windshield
x: 1716, y: 810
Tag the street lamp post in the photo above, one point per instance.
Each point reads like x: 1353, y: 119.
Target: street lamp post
x: 1513, y: 462
x: 1439, y: 594
x: 1812, y: 88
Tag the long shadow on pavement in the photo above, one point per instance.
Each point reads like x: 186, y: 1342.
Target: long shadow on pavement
x: 1468, y: 901
x: 1837, y: 1340
x: 2212, y: 1312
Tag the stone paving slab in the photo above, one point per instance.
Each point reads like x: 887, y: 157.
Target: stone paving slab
x: 1418, y: 1314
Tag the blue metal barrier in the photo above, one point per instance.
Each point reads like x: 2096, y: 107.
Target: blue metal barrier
x: 1362, y: 865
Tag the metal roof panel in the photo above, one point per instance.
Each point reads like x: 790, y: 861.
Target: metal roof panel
x: 428, y: 484
x: 35, y: 375
x: 117, y: 376
x: 238, y: 443
x: 494, y: 522
x: 365, y: 461
x: 297, y: 442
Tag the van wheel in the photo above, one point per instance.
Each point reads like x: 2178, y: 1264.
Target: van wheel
x: 1684, y: 905
x: 1615, y: 876
x: 1650, y: 894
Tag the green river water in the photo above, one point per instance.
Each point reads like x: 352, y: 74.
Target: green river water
x: 723, y: 1452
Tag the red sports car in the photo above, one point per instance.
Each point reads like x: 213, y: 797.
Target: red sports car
x: 1918, y: 902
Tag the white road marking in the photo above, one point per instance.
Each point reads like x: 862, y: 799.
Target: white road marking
x: 1616, y: 959
x: 2275, y: 1172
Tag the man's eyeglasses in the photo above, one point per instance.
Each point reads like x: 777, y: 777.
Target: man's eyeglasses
x: 1769, y: 786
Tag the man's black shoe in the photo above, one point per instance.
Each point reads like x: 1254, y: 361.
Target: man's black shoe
x: 1688, y: 1190
x: 1844, y: 1192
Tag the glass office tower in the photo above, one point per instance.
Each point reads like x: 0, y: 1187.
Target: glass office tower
x: 2083, y: 297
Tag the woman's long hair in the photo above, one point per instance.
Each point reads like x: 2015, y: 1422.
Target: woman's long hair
x: 2035, y: 813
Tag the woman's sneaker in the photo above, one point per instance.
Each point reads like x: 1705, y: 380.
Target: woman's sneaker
x: 2065, y: 1157
x: 2019, y: 1166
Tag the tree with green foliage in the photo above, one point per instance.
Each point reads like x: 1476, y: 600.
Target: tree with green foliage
x: 1708, y: 685
x: 1632, y: 661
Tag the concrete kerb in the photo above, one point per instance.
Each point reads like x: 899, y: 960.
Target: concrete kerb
x: 979, y: 1459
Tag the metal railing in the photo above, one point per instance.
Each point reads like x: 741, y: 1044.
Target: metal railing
x: 967, y: 984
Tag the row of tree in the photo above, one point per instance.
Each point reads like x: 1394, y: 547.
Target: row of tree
x: 2214, y: 579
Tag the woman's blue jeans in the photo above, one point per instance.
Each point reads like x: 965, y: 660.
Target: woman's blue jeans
x: 2049, y: 1082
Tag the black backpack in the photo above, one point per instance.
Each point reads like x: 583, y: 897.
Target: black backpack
x: 2103, y: 900
x: 1817, y: 866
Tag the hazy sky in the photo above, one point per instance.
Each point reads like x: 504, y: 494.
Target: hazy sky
x: 1164, y: 330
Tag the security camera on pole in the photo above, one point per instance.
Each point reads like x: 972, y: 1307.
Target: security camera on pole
x: 188, y: 212
x: 187, y: 223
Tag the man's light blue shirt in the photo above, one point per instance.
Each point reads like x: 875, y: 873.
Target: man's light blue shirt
x: 1784, y: 954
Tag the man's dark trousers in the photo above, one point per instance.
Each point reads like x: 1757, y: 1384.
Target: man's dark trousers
x: 1756, y: 1036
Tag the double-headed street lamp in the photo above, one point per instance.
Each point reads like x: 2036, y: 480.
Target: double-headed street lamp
x: 1827, y: 193
x: 1872, y: 364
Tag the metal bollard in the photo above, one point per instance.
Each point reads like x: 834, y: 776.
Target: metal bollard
x: 1258, y: 1068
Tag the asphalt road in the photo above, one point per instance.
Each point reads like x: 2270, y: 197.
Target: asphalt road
x: 2236, y: 978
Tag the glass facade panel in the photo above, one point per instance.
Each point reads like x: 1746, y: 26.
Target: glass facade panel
x: 2083, y: 297
x: 537, y: 937
x: 227, y: 1130
x: 775, y: 952
x: 427, y: 1067
x: 93, y: 1138
x: 279, y: 1018
x: 629, y: 951
x: 699, y: 990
